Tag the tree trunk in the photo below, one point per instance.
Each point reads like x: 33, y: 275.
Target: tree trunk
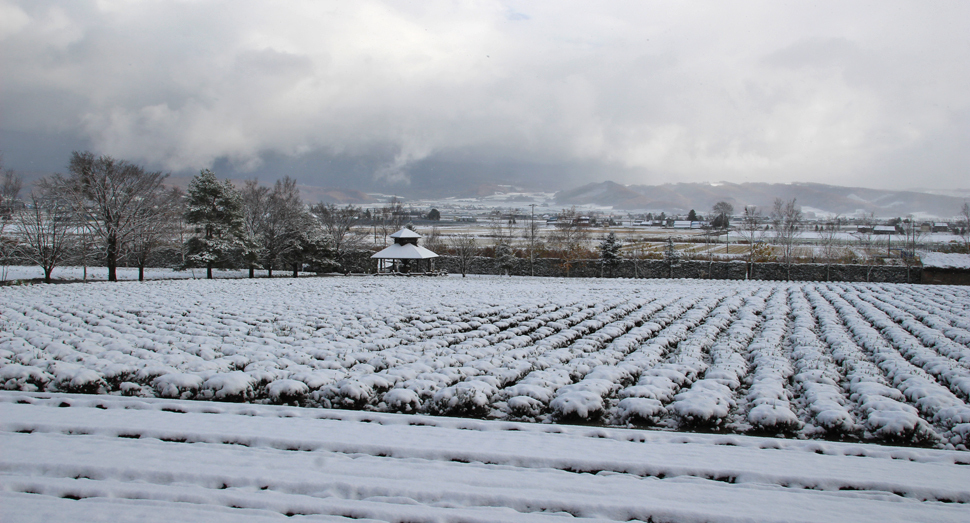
x: 111, y: 258
x: 252, y: 271
x: 269, y: 270
x: 296, y: 269
x: 141, y: 272
x: 47, y: 274
x: 208, y: 271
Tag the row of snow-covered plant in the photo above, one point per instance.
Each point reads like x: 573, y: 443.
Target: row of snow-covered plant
x: 873, y: 362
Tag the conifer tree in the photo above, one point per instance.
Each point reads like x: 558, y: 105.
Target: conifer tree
x: 215, y: 209
x: 505, y: 257
x: 610, y: 253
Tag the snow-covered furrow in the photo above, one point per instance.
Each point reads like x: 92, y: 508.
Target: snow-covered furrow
x: 768, y: 397
x: 530, y: 396
x: 587, y: 399
x: 710, y: 399
x: 931, y: 330
x: 949, y: 302
x: 946, y: 370
x: 636, y: 351
x: 440, y: 364
x: 956, y: 325
x: 935, y: 401
x: 817, y: 376
x: 646, y: 402
x: 884, y: 411
x: 554, y: 330
x: 474, y: 396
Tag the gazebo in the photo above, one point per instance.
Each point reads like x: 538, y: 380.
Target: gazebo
x: 404, y: 249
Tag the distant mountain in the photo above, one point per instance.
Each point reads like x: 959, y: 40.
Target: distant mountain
x: 813, y: 197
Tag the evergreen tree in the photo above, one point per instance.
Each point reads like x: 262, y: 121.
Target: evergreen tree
x: 671, y: 257
x: 505, y: 257
x: 692, y: 216
x: 215, y: 209
x: 610, y: 253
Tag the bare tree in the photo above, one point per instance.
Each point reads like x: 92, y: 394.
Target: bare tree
x: 255, y: 200
x: 865, y: 237
x: 965, y: 227
x: 158, y: 230
x: 45, y: 228
x: 829, y: 235
x: 283, y: 223
x: 391, y: 218
x: 569, y: 238
x: 114, y: 198
x: 786, y: 217
x: 10, y: 205
x: 341, y: 224
x: 913, y: 234
x: 752, y: 232
x: 434, y: 241
x: 465, y: 249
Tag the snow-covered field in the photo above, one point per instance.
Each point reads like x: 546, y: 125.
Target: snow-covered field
x: 451, y: 399
x: 868, y: 362
x: 85, y: 458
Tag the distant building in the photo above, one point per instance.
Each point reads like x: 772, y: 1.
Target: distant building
x: 884, y: 229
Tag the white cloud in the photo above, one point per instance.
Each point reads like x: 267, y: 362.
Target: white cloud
x: 696, y: 91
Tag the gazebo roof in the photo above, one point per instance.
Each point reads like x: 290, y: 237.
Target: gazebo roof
x: 404, y: 252
x: 405, y: 233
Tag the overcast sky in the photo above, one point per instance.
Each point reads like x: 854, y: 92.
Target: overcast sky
x: 412, y: 94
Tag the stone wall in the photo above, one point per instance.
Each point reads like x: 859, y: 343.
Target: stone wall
x: 718, y: 270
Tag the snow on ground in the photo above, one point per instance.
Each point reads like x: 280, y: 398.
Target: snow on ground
x: 107, y: 458
x: 71, y: 273
x: 870, y: 362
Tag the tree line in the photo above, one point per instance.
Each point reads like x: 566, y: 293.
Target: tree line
x: 111, y: 211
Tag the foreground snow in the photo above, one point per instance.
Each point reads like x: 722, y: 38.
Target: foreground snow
x: 874, y: 362
x: 102, y: 458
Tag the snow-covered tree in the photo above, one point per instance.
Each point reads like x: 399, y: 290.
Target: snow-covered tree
x: 505, y: 257
x: 254, y: 198
x: 215, y: 209
x: 786, y: 217
x: 44, y: 229
x: 610, y: 254
x: 284, y: 224
x: 161, y: 229
x: 114, y: 198
x: 465, y: 249
x: 671, y: 257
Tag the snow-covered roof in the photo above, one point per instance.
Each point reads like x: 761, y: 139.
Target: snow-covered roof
x: 405, y: 252
x: 406, y: 233
x: 942, y: 260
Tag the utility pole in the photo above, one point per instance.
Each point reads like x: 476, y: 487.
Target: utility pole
x: 532, y: 241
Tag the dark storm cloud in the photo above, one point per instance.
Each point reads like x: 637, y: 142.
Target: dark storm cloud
x: 414, y: 95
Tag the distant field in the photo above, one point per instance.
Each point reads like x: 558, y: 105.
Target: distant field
x: 868, y: 362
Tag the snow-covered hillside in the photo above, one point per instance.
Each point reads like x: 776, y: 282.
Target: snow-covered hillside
x: 871, y: 362
x: 85, y: 458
